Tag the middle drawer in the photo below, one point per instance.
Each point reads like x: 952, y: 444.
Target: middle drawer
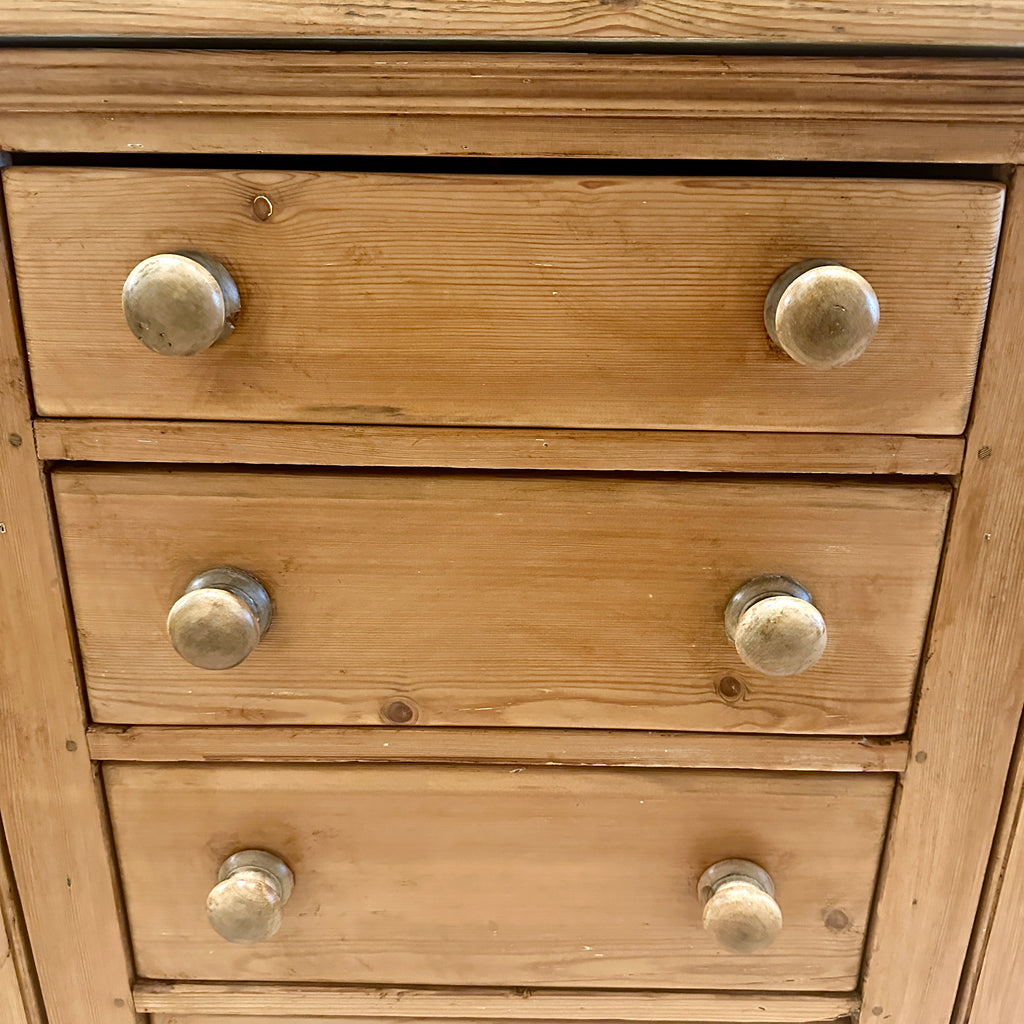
x: 500, y: 599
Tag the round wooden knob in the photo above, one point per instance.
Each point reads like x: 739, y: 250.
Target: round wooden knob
x: 821, y: 313
x: 247, y: 903
x: 180, y: 303
x: 775, y: 627
x: 739, y: 906
x: 219, y: 620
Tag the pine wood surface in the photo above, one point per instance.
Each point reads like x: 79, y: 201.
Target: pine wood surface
x: 302, y: 444
x: 49, y: 797
x: 992, y: 990
x: 911, y: 22
x: 520, y: 1004
x: 560, y: 105
x: 20, y: 1000
x: 795, y: 1010
x: 12, y: 1006
x: 497, y: 876
x: 16, y: 996
x: 971, y: 696
x: 490, y: 599
x: 495, y: 746
x: 505, y: 301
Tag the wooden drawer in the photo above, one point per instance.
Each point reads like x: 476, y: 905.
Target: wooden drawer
x: 532, y: 301
x: 460, y: 875
x: 500, y: 599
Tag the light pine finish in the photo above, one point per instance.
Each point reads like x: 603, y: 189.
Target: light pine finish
x: 182, y: 999
x: 495, y: 876
x: 12, y: 1005
x: 992, y: 989
x: 493, y: 746
x: 494, y: 448
x: 52, y: 806
x: 915, y: 22
x: 971, y: 697
x: 1000, y: 990
x: 490, y: 599
x: 785, y: 1009
x: 19, y: 997
x: 505, y: 301
x: 512, y: 104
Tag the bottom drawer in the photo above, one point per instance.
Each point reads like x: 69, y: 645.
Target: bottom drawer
x: 472, y: 875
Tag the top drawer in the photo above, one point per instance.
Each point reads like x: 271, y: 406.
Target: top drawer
x: 529, y: 301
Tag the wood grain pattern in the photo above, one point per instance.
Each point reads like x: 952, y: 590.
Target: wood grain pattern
x: 12, y: 1006
x: 992, y: 988
x: 488, y: 599
x: 187, y: 998
x: 1000, y: 992
x: 505, y: 301
x: 918, y: 22
x: 972, y: 693
x: 511, y: 104
x: 294, y: 444
x: 794, y: 1010
x: 490, y: 876
x: 494, y: 746
x: 20, y: 1001
x: 52, y: 806
x: 12, y: 998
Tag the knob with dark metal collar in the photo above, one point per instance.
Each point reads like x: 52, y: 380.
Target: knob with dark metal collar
x: 180, y: 303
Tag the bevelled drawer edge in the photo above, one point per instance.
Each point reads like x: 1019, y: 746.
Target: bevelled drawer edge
x: 186, y: 999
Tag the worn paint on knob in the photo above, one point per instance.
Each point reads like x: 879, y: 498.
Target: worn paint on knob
x: 247, y: 903
x: 775, y: 627
x: 181, y: 303
x: 220, y: 619
x: 740, y: 910
x: 821, y: 313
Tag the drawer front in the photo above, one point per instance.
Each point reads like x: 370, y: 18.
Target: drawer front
x: 495, y: 599
x: 532, y: 301
x: 457, y: 875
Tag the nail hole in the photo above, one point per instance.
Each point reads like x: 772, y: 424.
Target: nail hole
x: 71, y: 746
x: 921, y: 756
x: 15, y: 440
